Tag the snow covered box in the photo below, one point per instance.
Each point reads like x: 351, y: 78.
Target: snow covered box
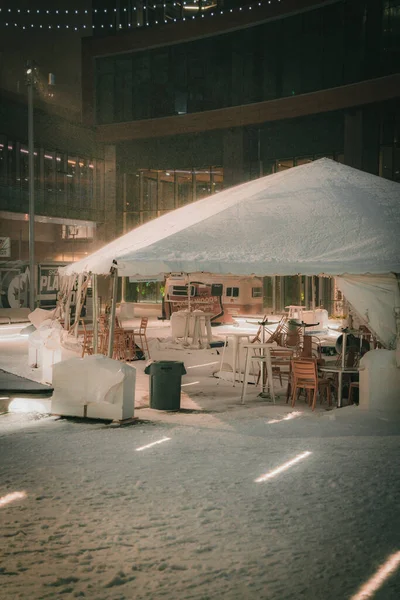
x: 380, y: 381
x: 94, y: 386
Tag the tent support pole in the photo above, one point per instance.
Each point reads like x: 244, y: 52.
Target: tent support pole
x: 313, y: 292
x: 274, y: 295
x: 306, y: 298
x: 78, y: 306
x: 188, y: 292
x: 124, y: 217
x: 70, y: 289
x: 95, y: 313
x: 320, y: 291
x: 113, y: 311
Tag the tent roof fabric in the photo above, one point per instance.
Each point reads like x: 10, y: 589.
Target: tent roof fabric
x: 318, y: 218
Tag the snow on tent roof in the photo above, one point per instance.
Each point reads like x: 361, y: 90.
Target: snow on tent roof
x: 322, y: 217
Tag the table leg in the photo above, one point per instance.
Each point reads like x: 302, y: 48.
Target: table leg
x: 235, y: 353
x: 269, y: 372
x: 208, y: 329
x: 339, y: 393
x: 196, y: 332
x: 267, y: 363
x: 246, y: 374
x: 340, y: 375
x: 186, y: 333
x: 222, y: 357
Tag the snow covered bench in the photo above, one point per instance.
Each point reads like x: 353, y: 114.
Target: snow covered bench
x: 94, y: 386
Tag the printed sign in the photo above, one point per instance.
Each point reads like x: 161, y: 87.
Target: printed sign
x: 5, y: 247
x: 48, y: 285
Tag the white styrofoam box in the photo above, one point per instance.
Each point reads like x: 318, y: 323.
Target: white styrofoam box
x: 39, y: 315
x: 94, y: 386
x: 50, y: 356
x: 379, y: 381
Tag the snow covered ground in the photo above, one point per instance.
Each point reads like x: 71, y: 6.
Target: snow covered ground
x: 185, y: 518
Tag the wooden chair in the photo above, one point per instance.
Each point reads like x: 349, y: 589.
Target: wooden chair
x: 87, y: 343
x: 120, y: 349
x: 259, y: 334
x: 305, y: 376
x: 141, y: 335
x: 353, y: 386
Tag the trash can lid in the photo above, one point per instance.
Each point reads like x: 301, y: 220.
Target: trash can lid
x: 159, y: 365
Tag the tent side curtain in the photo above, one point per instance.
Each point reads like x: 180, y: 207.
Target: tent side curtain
x: 374, y: 298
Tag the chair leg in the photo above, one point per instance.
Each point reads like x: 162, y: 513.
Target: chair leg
x: 295, y: 394
x: 289, y: 390
x: 328, y: 393
x: 147, y: 346
x: 315, y: 398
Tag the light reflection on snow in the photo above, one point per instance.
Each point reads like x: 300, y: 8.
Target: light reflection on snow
x: 283, y: 467
x: 27, y: 405
x: 288, y: 417
x: 191, y: 383
x: 216, y: 362
x: 377, y: 580
x: 153, y: 444
x: 12, y: 497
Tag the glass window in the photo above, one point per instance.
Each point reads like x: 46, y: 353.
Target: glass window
x: 3, y: 156
x: 105, y: 90
x: 61, y: 177
x: 72, y: 196
x: 283, y: 165
x: 141, y: 92
x: 232, y: 292
x: 167, y: 190
x: 291, y: 59
x: 161, y: 93
x: 123, y: 89
x: 256, y: 292
x: 310, y: 52
x: 185, y: 187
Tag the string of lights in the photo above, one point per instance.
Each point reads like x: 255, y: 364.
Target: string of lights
x: 12, y: 12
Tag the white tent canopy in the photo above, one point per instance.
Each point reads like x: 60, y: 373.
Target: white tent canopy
x: 319, y: 218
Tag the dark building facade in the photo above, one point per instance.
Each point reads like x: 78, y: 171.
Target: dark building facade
x: 204, y: 103
x: 74, y: 186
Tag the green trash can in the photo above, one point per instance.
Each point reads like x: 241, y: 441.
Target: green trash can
x: 165, y: 384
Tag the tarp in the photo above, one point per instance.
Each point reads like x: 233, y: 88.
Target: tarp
x: 319, y: 218
x: 374, y: 298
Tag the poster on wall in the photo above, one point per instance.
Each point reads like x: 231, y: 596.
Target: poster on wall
x: 5, y: 247
x: 14, y: 287
x: 48, y: 285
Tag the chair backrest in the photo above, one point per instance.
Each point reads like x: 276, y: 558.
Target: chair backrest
x: 143, y: 324
x: 283, y: 354
x: 351, y: 359
x: 304, y: 371
x: 316, y: 346
x: 279, y: 332
x: 258, y: 336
